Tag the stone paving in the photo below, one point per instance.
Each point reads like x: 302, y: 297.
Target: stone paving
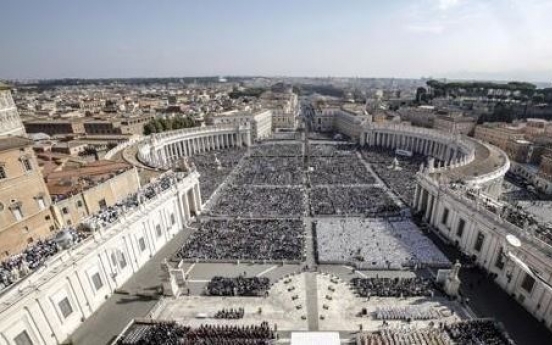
x: 299, y: 299
x: 340, y: 307
x: 279, y: 308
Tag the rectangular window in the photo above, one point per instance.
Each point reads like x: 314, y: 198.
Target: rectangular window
x: 122, y: 260
x: 23, y: 339
x: 3, y: 173
x: 65, y: 210
x: 460, y: 230
x: 173, y: 219
x: 65, y: 307
x: 479, y: 242
x: 158, y: 230
x: 499, y: 263
x: 102, y: 203
x: 444, y: 219
x: 79, y: 203
x: 27, y: 164
x: 142, y: 244
x: 17, y: 213
x: 97, y: 281
x: 528, y: 283
x: 41, y: 203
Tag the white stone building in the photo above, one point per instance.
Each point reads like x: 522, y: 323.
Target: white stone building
x: 49, y: 304
x: 260, y: 121
x: 10, y: 123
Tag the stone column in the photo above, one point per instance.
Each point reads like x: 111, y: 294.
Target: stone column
x: 429, y: 207
x: 197, y: 196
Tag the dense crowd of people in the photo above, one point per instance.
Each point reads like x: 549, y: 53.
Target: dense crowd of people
x: 20, y: 265
x: 426, y: 336
x: 330, y: 150
x: 214, y: 167
x: 409, y: 313
x: 111, y: 214
x: 527, y: 210
x: 475, y: 332
x: 375, y: 244
x: 250, y: 240
x: 472, y: 332
x: 357, y: 201
x: 172, y: 333
x: 340, y: 170
x: 240, y: 286
x: 230, y: 314
x: 259, y: 202
x: 277, y: 150
x: 393, y: 287
x: 271, y: 170
x: 399, y: 175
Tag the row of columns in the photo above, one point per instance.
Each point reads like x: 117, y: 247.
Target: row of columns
x: 538, y: 301
x: 427, y: 147
x: 188, y: 147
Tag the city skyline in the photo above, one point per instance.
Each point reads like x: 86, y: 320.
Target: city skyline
x: 456, y: 39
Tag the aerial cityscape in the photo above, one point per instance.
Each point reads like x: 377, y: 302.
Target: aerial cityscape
x: 263, y: 173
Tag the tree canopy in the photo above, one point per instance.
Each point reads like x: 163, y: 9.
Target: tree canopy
x: 158, y: 125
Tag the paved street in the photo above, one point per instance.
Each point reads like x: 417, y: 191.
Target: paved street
x: 106, y: 323
x: 488, y: 300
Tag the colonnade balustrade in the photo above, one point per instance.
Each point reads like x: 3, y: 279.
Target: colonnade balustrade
x: 163, y: 150
x: 449, y: 149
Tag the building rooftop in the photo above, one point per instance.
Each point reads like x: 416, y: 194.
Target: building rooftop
x: 10, y: 143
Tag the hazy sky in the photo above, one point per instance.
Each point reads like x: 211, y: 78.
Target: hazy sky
x: 388, y: 38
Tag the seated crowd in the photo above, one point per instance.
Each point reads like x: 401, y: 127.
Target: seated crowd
x: 20, y: 265
x: 277, y: 150
x: 250, y: 240
x: 259, y: 202
x: 400, y: 179
x: 339, y: 170
x: 271, y: 170
x: 172, y: 333
x: 359, y: 201
x: 426, y: 336
x: 472, y: 332
x: 212, y: 174
x: 324, y: 150
x: 240, y: 286
x: 475, y: 332
x: 393, y: 287
x: 409, y: 313
x: 375, y: 244
x: 231, y: 314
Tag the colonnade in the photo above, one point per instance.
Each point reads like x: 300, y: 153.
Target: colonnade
x: 481, y: 234
x: 447, y: 152
x: 164, y: 150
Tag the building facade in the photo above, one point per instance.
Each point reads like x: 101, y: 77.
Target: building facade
x: 25, y: 215
x: 260, y: 122
x: 73, y: 209
x: 49, y: 305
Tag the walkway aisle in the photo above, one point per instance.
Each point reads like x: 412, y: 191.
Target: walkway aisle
x: 379, y: 181
x: 311, y: 290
